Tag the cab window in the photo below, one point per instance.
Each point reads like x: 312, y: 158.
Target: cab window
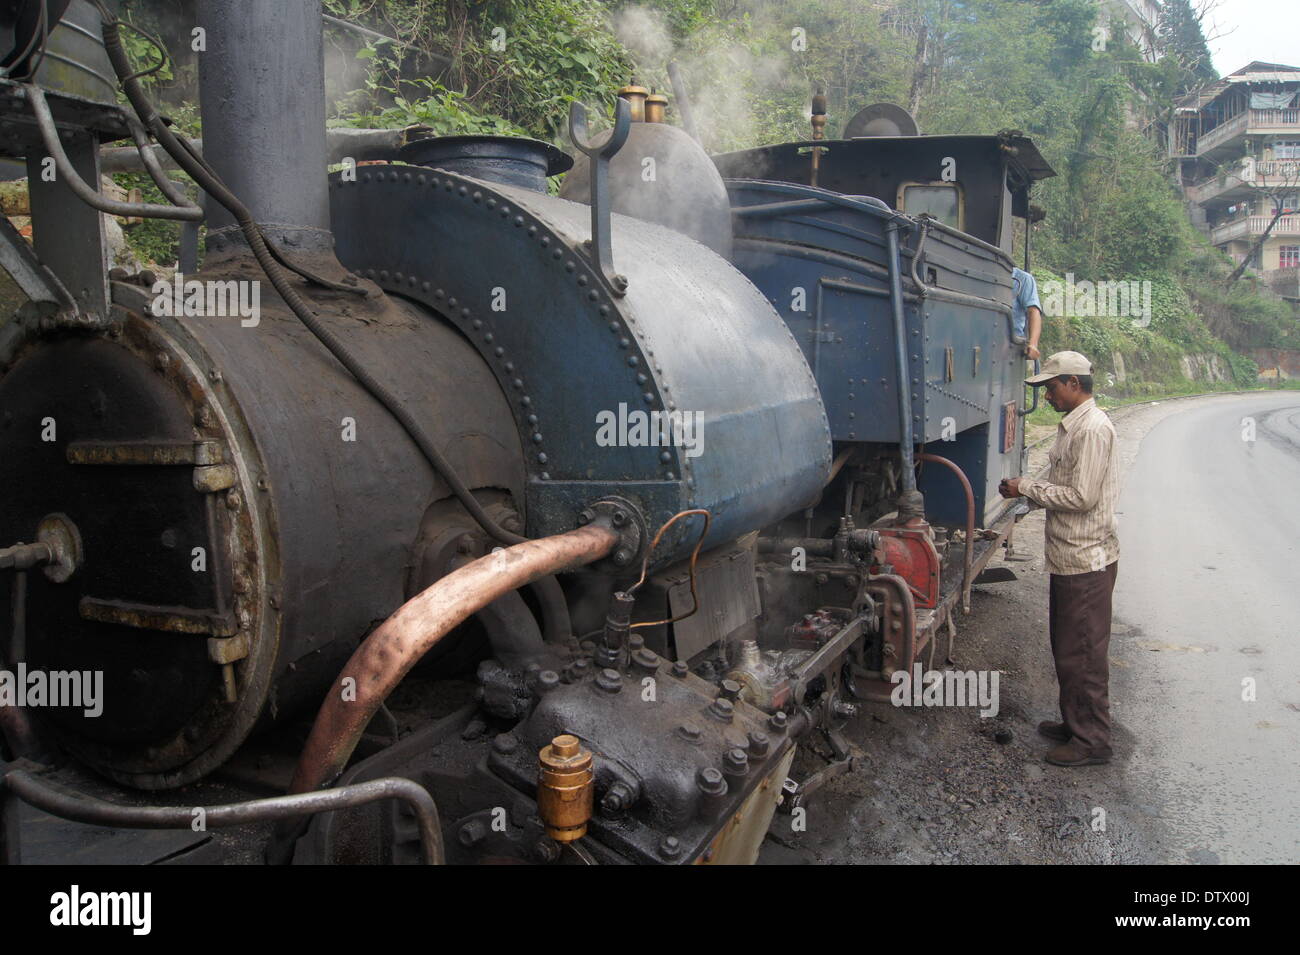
x: 943, y: 200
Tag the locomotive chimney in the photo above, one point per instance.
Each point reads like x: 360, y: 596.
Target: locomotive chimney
x: 262, y: 93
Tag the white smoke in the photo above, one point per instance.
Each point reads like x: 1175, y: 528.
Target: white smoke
x: 644, y: 32
x: 725, y: 79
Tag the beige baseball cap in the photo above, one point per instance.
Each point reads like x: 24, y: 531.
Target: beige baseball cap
x: 1062, y: 363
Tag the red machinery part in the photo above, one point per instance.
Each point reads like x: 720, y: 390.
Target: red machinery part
x: 911, y: 552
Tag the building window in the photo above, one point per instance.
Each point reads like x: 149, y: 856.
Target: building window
x: 1286, y: 149
x: 1288, y: 257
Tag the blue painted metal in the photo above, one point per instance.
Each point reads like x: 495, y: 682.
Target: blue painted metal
x: 822, y: 259
x: 691, y: 335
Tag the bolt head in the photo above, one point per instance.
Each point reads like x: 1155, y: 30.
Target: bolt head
x: 722, y: 709
x: 609, y: 680
x: 623, y: 557
x: 472, y: 832
x: 736, y: 759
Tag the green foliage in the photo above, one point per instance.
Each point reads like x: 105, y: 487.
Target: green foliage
x: 1180, y: 31
x: 555, y: 51
x: 446, y: 112
x: 151, y: 240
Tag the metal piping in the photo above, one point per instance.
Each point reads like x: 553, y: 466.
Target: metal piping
x: 16, y: 729
x: 57, y: 801
x: 556, y: 624
x: 392, y: 649
x: 82, y: 189
x: 924, y: 226
x: 970, y: 524
x: 683, y: 101
x: 149, y: 159
x: 512, y: 631
x: 340, y: 143
x: 900, y: 356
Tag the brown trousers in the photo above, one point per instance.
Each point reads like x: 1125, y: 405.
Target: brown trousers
x: 1079, y: 618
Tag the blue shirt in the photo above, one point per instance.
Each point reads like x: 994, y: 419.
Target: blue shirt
x: 1024, y: 294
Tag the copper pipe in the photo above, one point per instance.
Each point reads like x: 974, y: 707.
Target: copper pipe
x: 398, y: 643
x: 695, y: 555
x: 970, y: 524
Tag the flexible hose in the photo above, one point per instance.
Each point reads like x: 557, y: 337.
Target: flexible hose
x: 212, y: 184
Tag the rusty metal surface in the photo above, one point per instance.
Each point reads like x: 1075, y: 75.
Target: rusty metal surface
x: 728, y: 600
x: 739, y: 841
x: 968, y: 545
x: 143, y: 453
x: 167, y: 619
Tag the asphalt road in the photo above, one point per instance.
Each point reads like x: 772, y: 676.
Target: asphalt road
x: 1208, y: 595
x: 1206, y: 607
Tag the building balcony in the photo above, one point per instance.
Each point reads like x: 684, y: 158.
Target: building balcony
x: 1255, y: 122
x: 1248, y: 227
x: 1239, y: 182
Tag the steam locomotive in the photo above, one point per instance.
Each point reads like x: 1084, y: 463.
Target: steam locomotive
x: 568, y: 517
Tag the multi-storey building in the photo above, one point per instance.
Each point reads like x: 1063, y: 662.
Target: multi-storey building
x: 1139, y: 19
x: 1238, y: 144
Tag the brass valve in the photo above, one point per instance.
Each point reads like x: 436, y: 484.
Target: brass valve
x: 655, y: 105
x: 636, y: 97
x: 565, y: 788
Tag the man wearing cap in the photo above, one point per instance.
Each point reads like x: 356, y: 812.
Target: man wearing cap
x: 1082, y: 551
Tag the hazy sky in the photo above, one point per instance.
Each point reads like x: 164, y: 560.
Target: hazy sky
x: 1267, y: 30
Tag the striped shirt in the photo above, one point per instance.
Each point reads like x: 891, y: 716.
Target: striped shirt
x: 1079, y: 494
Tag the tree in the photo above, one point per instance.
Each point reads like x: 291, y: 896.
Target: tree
x: 1182, y: 38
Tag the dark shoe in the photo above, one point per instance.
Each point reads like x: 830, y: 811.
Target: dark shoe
x: 1075, y: 753
x: 1056, y: 731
